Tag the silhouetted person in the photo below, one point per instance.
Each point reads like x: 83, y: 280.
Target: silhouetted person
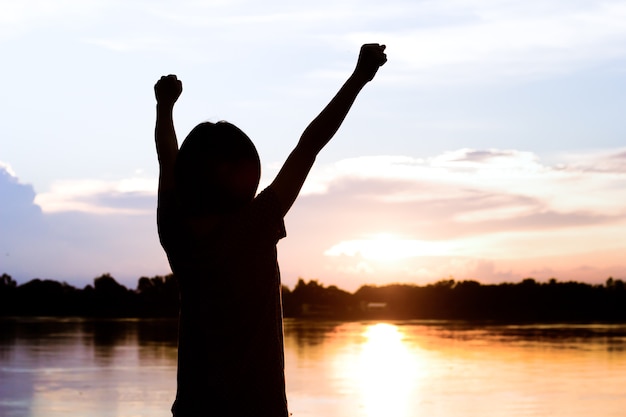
x: 221, y: 244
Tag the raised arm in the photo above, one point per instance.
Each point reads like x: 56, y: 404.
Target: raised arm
x: 290, y: 178
x: 167, y: 90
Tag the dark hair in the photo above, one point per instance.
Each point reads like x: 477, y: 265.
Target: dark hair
x: 217, y: 170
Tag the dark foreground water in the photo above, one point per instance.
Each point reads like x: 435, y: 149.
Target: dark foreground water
x: 74, y: 367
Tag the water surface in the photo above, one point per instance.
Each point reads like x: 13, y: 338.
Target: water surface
x: 75, y: 367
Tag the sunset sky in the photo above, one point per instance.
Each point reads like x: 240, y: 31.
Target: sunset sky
x: 491, y: 146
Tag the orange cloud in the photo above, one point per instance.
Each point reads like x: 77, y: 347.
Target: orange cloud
x: 456, y: 210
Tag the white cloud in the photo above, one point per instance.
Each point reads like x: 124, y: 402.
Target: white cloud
x: 382, y: 218
x: 386, y: 247
x: 519, y: 178
x: 430, y: 42
x: 92, y: 228
x: 476, y: 198
x: 126, y: 196
x: 502, y: 40
x: 7, y: 169
x: 408, y: 219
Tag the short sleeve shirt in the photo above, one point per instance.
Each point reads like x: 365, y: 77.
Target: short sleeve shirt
x: 230, y: 353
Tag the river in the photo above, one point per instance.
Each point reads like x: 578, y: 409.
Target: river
x: 127, y: 368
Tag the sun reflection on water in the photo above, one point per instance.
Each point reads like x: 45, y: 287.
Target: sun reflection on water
x: 386, y: 371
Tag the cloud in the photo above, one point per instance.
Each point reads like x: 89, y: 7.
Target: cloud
x: 432, y: 43
x: 485, y: 41
x: 476, y: 180
x: 86, y: 228
x: 441, y: 215
x: 15, y: 197
x: 608, y: 161
x: 380, y: 218
x: 127, y: 196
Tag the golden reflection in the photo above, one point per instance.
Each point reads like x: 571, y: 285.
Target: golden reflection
x: 386, y: 372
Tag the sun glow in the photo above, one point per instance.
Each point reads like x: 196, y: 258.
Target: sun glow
x: 389, y: 247
x: 386, y: 371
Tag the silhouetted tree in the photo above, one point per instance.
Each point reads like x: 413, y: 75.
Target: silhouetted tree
x: 44, y: 297
x: 112, y: 299
x: 157, y: 296
x: 313, y: 299
x: 7, y: 293
x: 106, y: 284
x: 7, y: 282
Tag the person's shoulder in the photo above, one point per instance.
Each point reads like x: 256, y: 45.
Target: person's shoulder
x: 268, y: 193
x: 264, y: 214
x: 267, y: 201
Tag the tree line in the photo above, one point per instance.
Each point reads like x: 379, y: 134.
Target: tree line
x: 157, y: 296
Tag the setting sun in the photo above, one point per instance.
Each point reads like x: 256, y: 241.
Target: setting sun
x: 386, y: 371
x: 386, y: 247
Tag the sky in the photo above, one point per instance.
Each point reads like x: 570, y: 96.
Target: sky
x: 490, y: 147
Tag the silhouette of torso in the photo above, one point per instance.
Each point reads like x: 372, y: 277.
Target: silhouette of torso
x: 230, y: 352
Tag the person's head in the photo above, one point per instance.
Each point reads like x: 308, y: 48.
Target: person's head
x: 217, y: 170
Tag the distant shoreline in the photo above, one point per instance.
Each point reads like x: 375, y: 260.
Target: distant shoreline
x: 478, y: 323
x: 525, y: 302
